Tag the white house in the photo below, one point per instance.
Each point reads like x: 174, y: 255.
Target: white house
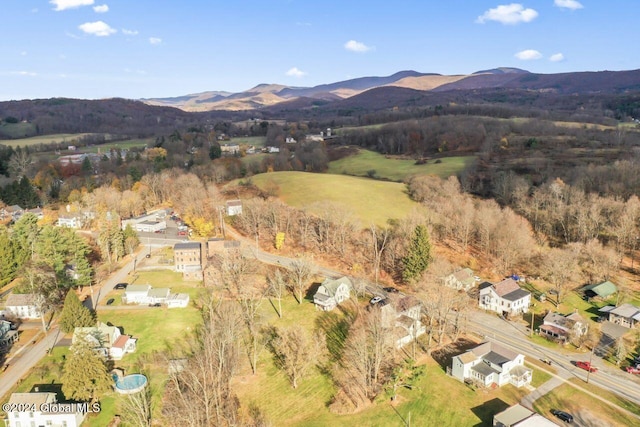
x: 559, y: 327
x: 107, y: 339
x: 136, y: 294
x: 47, y: 411
x: 145, y: 294
x: 490, y: 363
x: 404, y: 314
x: 22, y: 306
x: 234, y: 207
x: 505, y: 297
x: 519, y: 416
x: 71, y: 220
x: 332, y: 292
x: 461, y: 279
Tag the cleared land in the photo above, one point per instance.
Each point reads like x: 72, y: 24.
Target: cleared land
x: 369, y: 200
x: 366, y: 162
x: 257, y: 141
x: 69, y: 138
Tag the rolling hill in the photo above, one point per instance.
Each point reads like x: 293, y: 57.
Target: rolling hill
x: 269, y: 95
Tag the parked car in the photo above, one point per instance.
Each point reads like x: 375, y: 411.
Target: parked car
x: 564, y: 416
x: 121, y: 286
x: 182, y: 233
x: 375, y: 300
x: 390, y: 289
x: 157, y: 304
x: 633, y: 369
x: 586, y: 366
x: 110, y: 301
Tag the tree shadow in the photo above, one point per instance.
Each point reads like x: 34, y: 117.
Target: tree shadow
x: 311, y: 291
x: 444, y: 355
x: 487, y: 410
x: 335, y: 325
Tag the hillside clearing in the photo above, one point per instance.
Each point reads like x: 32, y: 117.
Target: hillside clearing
x: 367, y: 162
x: 370, y: 201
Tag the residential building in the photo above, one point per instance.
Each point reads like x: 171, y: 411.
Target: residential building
x: 404, y: 315
x: 107, y: 339
x: 38, y: 212
x: 188, y: 258
x: 13, y: 212
x: 47, y: 411
x: 519, y: 416
x: 505, y: 297
x: 560, y: 327
x: 145, y: 294
x: 7, y: 335
x: 489, y: 364
x: 600, y: 290
x: 230, y: 149
x: 331, y: 293
x: 71, y: 220
x: 22, y: 306
x: 627, y: 315
x: 461, y: 279
x: 234, y: 207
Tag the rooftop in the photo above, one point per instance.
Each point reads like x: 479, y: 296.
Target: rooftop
x: 18, y: 300
x: 186, y: 245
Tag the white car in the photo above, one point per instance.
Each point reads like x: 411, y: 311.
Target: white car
x: 375, y: 300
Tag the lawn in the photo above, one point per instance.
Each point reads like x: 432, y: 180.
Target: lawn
x: 584, y: 407
x: 67, y: 138
x: 366, y: 162
x: 257, y: 141
x: 370, y: 201
x: 16, y: 130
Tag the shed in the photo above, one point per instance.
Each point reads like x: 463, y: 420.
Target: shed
x: 601, y: 290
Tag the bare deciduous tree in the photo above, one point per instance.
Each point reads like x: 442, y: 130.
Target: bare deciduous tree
x: 300, y: 272
x: 294, y: 352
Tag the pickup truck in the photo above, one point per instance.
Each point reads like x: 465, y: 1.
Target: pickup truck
x: 586, y: 366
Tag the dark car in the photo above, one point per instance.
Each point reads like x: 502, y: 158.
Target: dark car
x: 390, y: 289
x: 157, y: 304
x: 121, y: 286
x: 564, y: 416
x: 110, y: 301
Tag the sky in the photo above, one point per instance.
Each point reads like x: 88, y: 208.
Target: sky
x: 134, y: 49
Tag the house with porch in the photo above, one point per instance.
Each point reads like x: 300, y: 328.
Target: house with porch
x: 404, y: 315
x: 22, y: 306
x: 7, y: 335
x: 489, y: 364
x: 627, y: 315
x: 461, y: 279
x: 332, y: 292
x: 505, y: 297
x: 559, y: 327
x: 107, y: 339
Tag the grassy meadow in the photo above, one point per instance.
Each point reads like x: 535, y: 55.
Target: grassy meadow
x: 66, y: 138
x: 396, y: 169
x: 369, y: 200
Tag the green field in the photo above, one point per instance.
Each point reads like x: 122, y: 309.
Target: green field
x: 66, y: 138
x: 257, y: 141
x: 371, y: 201
x: 396, y: 169
x: 16, y: 130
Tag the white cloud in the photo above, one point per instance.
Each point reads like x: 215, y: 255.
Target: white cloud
x: 528, y: 55
x: 24, y: 73
x: 70, y: 4
x: 295, y: 72
x: 556, y: 57
x: 103, y: 8
x: 155, y: 40
x: 568, y: 4
x: 355, y: 46
x: 508, y: 14
x: 129, y: 32
x: 97, y: 28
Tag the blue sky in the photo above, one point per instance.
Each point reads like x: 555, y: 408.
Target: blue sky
x: 141, y: 49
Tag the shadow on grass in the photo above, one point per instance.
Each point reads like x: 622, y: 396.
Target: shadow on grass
x: 311, y: 291
x: 487, y: 410
x: 335, y: 325
x: 444, y: 355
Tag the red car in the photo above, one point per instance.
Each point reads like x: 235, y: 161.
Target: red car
x: 633, y: 370
x: 586, y: 366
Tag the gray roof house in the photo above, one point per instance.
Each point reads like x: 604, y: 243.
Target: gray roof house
x: 519, y: 416
x: 560, y: 327
x: 627, y: 315
x: 22, y: 306
x: 332, y: 292
x: 505, y: 297
x: 490, y: 363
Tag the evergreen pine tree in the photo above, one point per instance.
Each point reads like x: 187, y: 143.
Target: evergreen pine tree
x: 85, y: 376
x: 418, y: 258
x: 74, y: 314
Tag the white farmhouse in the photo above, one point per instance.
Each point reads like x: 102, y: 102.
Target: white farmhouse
x: 47, y: 411
x: 332, y: 292
x: 505, y: 297
x: 490, y: 363
x: 22, y: 306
